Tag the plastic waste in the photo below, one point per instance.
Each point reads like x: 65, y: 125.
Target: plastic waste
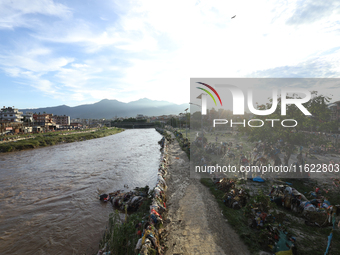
x: 104, y: 197
x: 258, y: 179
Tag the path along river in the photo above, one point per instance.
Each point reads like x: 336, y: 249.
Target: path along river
x: 49, y: 196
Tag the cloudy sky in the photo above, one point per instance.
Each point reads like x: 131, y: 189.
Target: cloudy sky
x: 81, y: 51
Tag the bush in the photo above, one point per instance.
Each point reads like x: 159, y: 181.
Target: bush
x: 122, y: 237
x: 8, y: 149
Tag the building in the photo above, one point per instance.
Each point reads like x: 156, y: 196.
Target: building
x: 140, y: 117
x: 27, y: 119
x: 10, y: 114
x: 45, y: 121
x: 164, y: 118
x: 11, y: 127
x: 62, y: 120
x: 76, y: 125
x: 10, y: 120
x: 335, y: 110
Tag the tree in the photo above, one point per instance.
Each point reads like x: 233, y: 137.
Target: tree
x: 173, y: 122
x: 158, y: 124
x: 195, y: 120
x: 299, y: 135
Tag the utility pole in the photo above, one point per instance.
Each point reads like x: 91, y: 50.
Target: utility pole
x: 179, y: 118
x: 186, y: 122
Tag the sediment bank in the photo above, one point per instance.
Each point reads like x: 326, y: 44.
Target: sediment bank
x: 194, y: 220
x: 47, y: 139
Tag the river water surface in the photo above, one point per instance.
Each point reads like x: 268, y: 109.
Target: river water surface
x: 49, y: 197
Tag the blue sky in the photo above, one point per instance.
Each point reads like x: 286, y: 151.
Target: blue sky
x: 79, y: 52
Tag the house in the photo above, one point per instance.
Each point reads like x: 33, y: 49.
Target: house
x: 61, y: 120
x: 76, y: 125
x: 10, y: 120
x: 45, y: 121
x: 140, y: 117
x: 27, y: 118
x: 10, y: 114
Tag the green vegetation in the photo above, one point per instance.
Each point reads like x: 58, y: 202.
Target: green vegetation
x: 46, y: 139
x: 183, y: 142
x: 309, y: 239
x: 294, y: 136
x: 121, y: 237
x: 129, y: 120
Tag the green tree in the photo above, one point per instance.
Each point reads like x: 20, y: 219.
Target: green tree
x: 195, y: 120
x: 273, y: 131
x: 174, y: 122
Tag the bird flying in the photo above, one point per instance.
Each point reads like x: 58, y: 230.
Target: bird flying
x: 233, y: 16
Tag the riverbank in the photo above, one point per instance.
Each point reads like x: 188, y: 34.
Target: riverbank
x: 142, y: 231
x: 261, y: 211
x: 309, y: 231
x: 191, y: 223
x: 194, y: 221
x: 47, y: 139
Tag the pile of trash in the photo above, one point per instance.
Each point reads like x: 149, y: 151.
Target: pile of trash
x: 161, y: 142
x: 150, y: 232
x: 317, y: 211
x: 166, y: 136
x: 273, y: 235
x: 149, y: 229
x: 129, y: 201
x: 225, y: 184
x: 286, y: 196
x: 235, y: 198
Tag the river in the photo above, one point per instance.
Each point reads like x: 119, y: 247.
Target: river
x: 49, y: 197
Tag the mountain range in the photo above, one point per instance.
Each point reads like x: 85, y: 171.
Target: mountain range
x: 107, y: 109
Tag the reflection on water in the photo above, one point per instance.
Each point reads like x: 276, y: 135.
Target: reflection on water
x: 49, y: 196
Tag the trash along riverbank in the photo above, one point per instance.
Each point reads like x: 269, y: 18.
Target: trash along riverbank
x: 225, y: 215
x: 193, y: 220
x: 47, y: 139
x: 278, y: 215
x: 177, y: 217
x: 142, y: 231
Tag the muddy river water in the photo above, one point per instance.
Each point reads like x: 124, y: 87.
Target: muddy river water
x: 49, y: 196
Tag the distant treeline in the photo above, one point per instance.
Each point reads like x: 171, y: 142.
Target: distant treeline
x: 131, y: 120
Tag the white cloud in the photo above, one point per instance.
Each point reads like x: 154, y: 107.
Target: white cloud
x: 25, y: 62
x: 152, y: 46
x: 312, y: 11
x: 14, y: 13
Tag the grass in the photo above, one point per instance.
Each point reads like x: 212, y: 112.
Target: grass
x: 121, y: 237
x: 309, y: 239
x: 48, y: 139
x: 184, y: 132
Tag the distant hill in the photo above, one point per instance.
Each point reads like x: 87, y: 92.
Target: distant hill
x: 108, y: 109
